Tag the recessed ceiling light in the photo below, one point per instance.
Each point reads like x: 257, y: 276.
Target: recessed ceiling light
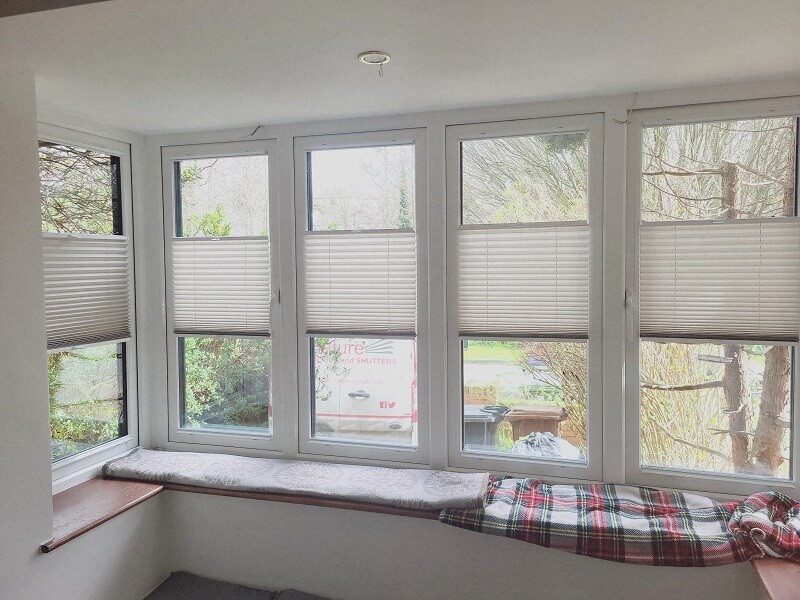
x: 374, y: 57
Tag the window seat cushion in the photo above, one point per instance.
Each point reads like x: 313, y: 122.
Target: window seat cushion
x: 637, y: 525
x: 418, y: 489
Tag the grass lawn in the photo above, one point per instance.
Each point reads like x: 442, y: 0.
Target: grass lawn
x: 507, y: 352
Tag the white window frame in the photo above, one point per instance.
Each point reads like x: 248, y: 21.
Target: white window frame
x: 307, y: 445
x: 457, y: 457
x: 666, y: 477
x: 83, y: 461
x: 233, y: 439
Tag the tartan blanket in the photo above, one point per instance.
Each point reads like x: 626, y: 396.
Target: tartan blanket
x: 771, y: 522
x: 636, y: 525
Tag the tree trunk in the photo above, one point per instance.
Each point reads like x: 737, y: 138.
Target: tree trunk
x: 730, y: 189
x: 788, y: 190
x: 768, y: 440
x: 734, y: 381
x: 737, y: 397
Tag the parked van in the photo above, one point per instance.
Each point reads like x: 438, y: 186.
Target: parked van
x: 366, y: 389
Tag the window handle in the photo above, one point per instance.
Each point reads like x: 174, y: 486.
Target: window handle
x: 629, y: 317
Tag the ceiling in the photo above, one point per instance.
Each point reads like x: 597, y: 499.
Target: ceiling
x: 162, y: 66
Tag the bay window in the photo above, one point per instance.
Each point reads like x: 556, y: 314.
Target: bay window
x: 716, y: 281
x: 523, y: 252
x: 361, y: 269
x: 85, y: 185
x: 699, y: 382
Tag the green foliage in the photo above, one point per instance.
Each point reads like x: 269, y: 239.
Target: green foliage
x: 214, y: 224
x: 227, y: 382
x: 83, y: 430
x: 85, y: 408
x: 192, y: 173
x: 327, y: 363
x: 55, y: 364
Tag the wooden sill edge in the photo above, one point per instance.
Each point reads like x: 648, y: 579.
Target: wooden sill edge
x: 90, y: 504
x: 305, y: 500
x: 779, y: 578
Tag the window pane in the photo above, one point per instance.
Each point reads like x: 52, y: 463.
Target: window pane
x: 87, y: 398
x: 365, y: 390
x: 717, y: 407
x: 225, y: 384
x: 362, y: 188
x: 222, y: 197
x: 525, y: 398
x: 80, y: 190
x: 525, y: 179
x: 719, y: 170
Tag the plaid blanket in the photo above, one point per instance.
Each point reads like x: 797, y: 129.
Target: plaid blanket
x: 770, y: 521
x: 636, y: 525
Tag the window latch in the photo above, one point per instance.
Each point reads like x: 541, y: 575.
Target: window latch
x: 629, y: 320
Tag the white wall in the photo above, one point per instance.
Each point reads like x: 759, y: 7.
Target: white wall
x: 25, y: 510
x: 121, y: 560
x: 343, y: 554
x: 350, y: 555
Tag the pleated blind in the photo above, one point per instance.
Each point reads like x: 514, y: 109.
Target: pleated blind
x: 738, y: 280
x: 361, y: 282
x: 221, y: 286
x: 87, y: 285
x: 524, y: 281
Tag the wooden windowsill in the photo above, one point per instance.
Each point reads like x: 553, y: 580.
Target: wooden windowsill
x: 779, y: 578
x: 90, y: 504
x: 87, y: 505
x: 307, y: 500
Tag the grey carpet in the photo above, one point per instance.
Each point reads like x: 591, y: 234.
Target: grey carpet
x: 295, y: 595
x: 185, y: 586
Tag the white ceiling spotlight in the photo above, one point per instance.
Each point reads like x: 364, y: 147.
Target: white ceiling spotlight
x: 375, y: 58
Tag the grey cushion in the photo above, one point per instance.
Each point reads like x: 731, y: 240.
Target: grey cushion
x: 185, y: 586
x: 295, y: 595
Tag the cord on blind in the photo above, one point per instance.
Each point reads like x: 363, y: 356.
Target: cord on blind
x: 221, y: 286
x: 530, y: 281
x: 361, y: 282
x: 87, y: 290
x: 737, y: 280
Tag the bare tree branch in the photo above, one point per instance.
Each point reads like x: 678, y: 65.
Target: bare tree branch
x: 680, y: 440
x: 686, y: 387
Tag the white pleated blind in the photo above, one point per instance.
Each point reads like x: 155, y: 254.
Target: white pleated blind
x: 221, y: 286
x: 526, y: 281
x: 738, y: 280
x: 87, y: 285
x: 361, y: 282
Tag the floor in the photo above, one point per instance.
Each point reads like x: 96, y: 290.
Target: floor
x: 185, y: 586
